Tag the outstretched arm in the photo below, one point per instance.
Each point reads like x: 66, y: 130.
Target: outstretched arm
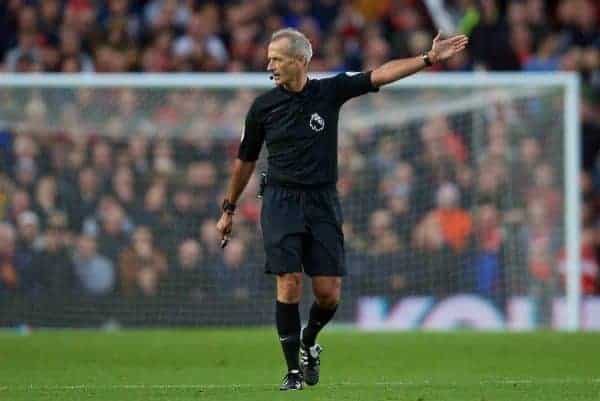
x: 242, y: 171
x: 441, y: 49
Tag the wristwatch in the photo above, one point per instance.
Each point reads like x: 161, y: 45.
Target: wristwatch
x: 228, y: 207
x: 426, y: 59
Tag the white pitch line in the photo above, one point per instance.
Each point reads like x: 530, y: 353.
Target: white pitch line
x: 271, y: 385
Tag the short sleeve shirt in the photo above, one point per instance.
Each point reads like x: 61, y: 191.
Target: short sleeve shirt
x: 300, y: 129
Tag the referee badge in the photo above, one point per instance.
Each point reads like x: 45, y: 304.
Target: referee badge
x: 317, y: 123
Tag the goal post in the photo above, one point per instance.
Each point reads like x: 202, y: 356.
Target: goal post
x: 443, y: 211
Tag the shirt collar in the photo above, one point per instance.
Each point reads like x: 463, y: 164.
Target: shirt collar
x: 310, y: 83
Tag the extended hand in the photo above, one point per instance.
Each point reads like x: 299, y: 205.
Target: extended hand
x: 443, y: 49
x: 224, y: 227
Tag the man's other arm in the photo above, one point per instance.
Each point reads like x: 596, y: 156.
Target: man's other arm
x: 243, y: 167
x: 240, y: 175
x: 394, y: 70
x: 242, y: 171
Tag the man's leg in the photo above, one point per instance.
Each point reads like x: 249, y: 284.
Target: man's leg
x: 327, y: 297
x: 283, y: 226
x: 289, y: 291
x: 324, y: 261
x: 327, y: 292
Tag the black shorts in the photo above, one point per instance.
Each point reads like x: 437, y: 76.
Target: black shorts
x: 302, y: 231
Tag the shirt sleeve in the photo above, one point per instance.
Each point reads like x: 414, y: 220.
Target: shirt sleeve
x: 253, y: 135
x: 348, y: 86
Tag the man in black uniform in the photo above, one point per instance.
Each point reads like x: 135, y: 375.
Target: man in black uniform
x: 301, y: 216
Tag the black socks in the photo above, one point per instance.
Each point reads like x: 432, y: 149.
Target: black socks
x: 288, y: 328
x: 287, y: 317
x: 319, y: 317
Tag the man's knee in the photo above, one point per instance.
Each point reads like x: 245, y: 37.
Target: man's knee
x: 327, y: 291
x: 289, y: 287
x: 327, y: 299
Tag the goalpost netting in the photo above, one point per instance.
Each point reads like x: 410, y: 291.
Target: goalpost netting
x: 455, y: 192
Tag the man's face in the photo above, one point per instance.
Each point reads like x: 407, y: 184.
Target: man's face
x: 284, y: 66
x: 87, y: 246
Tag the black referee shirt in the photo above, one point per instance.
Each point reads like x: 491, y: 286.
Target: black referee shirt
x: 301, y: 128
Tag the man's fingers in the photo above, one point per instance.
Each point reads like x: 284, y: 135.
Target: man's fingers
x: 224, y: 241
x: 226, y: 236
x: 462, y: 40
x: 459, y: 39
x: 438, y: 36
x: 460, y: 46
x: 461, y: 43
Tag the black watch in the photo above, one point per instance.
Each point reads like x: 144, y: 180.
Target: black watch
x: 228, y: 207
x: 426, y: 59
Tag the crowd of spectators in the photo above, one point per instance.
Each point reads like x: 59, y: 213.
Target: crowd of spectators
x: 116, y: 192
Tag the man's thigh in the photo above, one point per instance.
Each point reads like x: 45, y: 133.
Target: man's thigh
x: 324, y: 245
x: 283, y: 228
x: 323, y: 251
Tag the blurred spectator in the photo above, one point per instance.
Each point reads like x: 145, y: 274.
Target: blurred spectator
x: 188, y: 278
x: 29, y: 242
x: 447, y: 225
x: 124, y: 189
x: 46, y: 199
x: 589, y: 264
x: 154, y: 213
x: 529, y: 156
x: 19, y: 203
x: 210, y: 240
x: 95, y: 273
x: 387, y: 262
x: 183, y: 220
x: 51, y: 266
x: 542, y: 241
x: 25, y: 174
x: 382, y: 238
x: 102, y: 162
x: 111, y: 227
x: 200, y: 49
x: 545, y: 59
x: 234, y: 278
x: 141, y: 265
x: 399, y: 191
x: 138, y: 153
x: 487, y: 263
x: 71, y: 51
x: 86, y: 199
x: 25, y: 56
x: 9, y: 281
x: 388, y: 155
x: 490, y: 187
x: 201, y: 178
x: 199, y: 144
x: 544, y: 189
x: 443, y: 241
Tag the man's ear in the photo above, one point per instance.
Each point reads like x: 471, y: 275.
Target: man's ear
x: 301, y: 61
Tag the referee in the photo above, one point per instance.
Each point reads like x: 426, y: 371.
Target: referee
x: 301, y: 216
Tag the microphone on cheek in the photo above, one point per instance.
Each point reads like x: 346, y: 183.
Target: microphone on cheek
x: 271, y: 77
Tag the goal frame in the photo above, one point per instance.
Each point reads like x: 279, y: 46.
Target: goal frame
x: 571, y: 137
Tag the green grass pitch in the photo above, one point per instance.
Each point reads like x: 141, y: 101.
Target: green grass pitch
x: 246, y: 364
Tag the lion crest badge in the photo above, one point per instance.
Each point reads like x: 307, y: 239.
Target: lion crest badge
x: 317, y: 123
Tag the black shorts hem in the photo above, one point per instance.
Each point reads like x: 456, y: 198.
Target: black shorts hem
x: 340, y: 273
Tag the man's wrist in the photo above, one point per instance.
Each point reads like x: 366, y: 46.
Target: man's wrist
x: 228, y: 207
x: 426, y: 59
x: 432, y: 56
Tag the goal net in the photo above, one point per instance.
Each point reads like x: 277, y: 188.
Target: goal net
x: 459, y: 194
